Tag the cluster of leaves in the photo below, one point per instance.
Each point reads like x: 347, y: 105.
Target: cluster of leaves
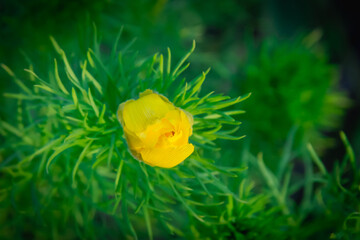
x: 295, y: 87
x: 296, y: 197
x: 301, y: 199
x: 253, y: 218
x: 65, y: 168
x: 319, y: 203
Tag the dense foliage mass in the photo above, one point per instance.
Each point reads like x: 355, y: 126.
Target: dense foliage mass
x: 69, y: 171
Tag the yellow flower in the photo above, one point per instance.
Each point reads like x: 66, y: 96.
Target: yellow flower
x: 156, y: 131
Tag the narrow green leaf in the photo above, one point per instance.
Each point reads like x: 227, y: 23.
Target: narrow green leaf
x: 231, y: 102
x: 140, y: 206
x: 212, y: 131
x: 46, y: 147
x: 46, y: 88
x: 74, y: 97
x: 85, y: 96
x: 78, y: 133
x: 217, y: 98
x: 269, y: 177
x: 96, y: 109
x: 83, y: 67
x: 101, y: 117
x: 174, y: 230
x: 229, y: 137
x: 99, y: 159
x: 31, y: 67
x: 198, y: 83
x: 56, y: 45
x: 168, y: 66
x: 96, y: 45
x: 69, y: 72
x: 349, y: 150
x: 148, y: 222
x: 42, y: 82
x: 117, y: 39
x: 23, y: 97
x: 68, y: 108
x: 161, y: 68
x: 89, y: 58
x: 181, y: 70
x: 183, y: 59
x: 101, y: 64
x: 128, y: 46
x: 58, y: 151
x: 338, y: 178
x: 118, y: 174
x: 234, y: 112
x: 81, y: 157
x: 286, y: 182
x: 42, y: 163
x: 74, y: 119
x: 219, y: 114
x: 181, y: 94
x: 8, y: 70
x: 58, y: 80
x: 17, y: 81
x: 287, y: 152
x: 111, y: 150
x: 94, y: 82
x: 316, y: 159
x: 230, y: 207
x: 186, y: 88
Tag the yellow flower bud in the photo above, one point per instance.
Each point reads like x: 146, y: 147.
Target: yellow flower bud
x: 156, y: 131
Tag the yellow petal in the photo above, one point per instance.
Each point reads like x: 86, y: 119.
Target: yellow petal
x: 136, y: 115
x: 156, y: 131
x: 173, y: 117
x: 146, y: 92
x: 134, y: 142
x: 166, y: 157
x: 186, y: 122
x: 181, y: 125
x: 151, y: 135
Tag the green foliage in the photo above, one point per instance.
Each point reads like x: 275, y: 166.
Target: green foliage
x: 302, y: 199
x: 295, y: 87
x: 66, y: 173
x: 65, y: 168
x: 255, y: 218
x: 317, y: 203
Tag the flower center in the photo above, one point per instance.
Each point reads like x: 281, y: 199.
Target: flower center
x: 170, y: 134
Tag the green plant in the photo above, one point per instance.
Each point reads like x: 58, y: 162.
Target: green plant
x: 253, y: 218
x: 65, y: 168
x: 295, y: 88
x: 317, y: 203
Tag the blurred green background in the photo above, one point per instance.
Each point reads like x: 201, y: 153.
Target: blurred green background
x: 299, y: 59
